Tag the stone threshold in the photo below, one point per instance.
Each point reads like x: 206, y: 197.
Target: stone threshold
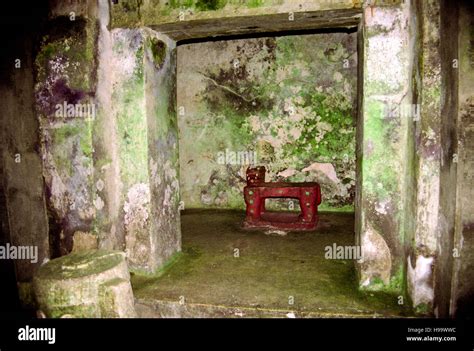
x: 149, y: 308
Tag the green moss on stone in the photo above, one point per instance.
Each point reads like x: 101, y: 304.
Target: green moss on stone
x: 102, y: 162
x: 158, y: 51
x: 379, y: 162
x: 325, y: 207
x: 210, y: 5
x: 380, y: 87
x: 149, y: 13
x: 65, y: 139
x: 76, y: 43
x: 26, y: 294
x: 255, y: 3
x: 62, y: 134
x: 80, y: 264
x: 269, y: 269
x: 132, y: 126
x: 138, y: 71
x: 395, y: 285
x: 243, y: 113
x: 142, y: 273
x: 422, y: 309
x: 126, y: 14
x: 74, y: 311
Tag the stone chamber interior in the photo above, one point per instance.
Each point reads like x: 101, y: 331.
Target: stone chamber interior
x: 127, y: 129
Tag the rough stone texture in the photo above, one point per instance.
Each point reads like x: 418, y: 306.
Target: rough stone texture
x: 24, y: 218
x: 189, y: 31
x: 117, y: 299
x: 138, y: 243
x: 287, y: 103
x: 436, y: 160
x: 84, y: 241
x: 107, y: 184
x: 143, y: 103
x: 419, y: 280
x: 410, y: 174
x: 65, y: 69
x: 7, y: 268
x: 172, y: 309
x: 422, y: 176
x: 80, y: 8
x: 114, y: 173
x: 88, y: 284
x: 114, y: 179
x: 448, y: 49
x: 128, y: 109
x: 163, y: 162
x: 386, y: 86
x: 428, y: 134
x: 376, y: 259
x: 129, y: 13
x: 207, y: 280
x: 463, y: 281
x: 439, y: 259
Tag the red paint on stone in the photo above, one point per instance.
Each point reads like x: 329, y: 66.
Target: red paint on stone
x: 257, y: 190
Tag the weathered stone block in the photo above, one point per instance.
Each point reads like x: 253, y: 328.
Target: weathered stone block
x: 88, y: 284
x: 116, y: 299
x: 84, y: 241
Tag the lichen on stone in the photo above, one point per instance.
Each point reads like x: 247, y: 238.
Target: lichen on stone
x: 268, y: 96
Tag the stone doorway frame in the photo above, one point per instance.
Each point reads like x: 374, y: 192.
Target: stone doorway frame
x: 280, y: 24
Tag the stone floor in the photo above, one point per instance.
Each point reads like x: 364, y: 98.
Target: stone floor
x: 273, y: 275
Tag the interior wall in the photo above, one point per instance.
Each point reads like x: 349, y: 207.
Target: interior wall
x: 288, y: 103
x: 85, y: 160
x: 112, y: 182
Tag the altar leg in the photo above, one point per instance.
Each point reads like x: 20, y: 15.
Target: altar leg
x: 308, y: 204
x: 262, y: 206
x: 254, y: 204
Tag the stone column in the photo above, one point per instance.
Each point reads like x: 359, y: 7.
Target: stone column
x: 143, y: 108
x: 386, y: 111
x: 66, y: 108
x: 462, y: 301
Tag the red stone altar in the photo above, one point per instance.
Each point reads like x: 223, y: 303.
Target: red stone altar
x: 257, y: 190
